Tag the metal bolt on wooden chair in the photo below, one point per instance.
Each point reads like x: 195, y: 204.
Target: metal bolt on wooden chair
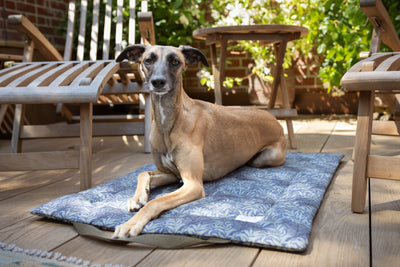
x: 82, y: 81
x: 377, y: 74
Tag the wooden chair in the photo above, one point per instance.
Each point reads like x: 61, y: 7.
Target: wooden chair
x: 379, y: 73
x: 82, y: 81
x: 6, y: 110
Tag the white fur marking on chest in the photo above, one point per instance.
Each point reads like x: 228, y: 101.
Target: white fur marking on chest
x: 162, y: 114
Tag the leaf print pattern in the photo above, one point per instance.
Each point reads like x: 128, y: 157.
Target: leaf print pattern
x: 284, y: 201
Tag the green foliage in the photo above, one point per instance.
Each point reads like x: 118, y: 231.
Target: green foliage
x: 175, y: 20
x: 338, y: 31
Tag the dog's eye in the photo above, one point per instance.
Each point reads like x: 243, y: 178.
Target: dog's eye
x: 148, y: 61
x: 174, y: 62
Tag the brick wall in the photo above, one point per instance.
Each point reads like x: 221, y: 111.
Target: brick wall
x: 47, y: 15
x: 306, y: 89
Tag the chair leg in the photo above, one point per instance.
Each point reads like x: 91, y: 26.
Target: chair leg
x: 361, y: 150
x: 85, y: 157
x: 291, y: 137
x: 147, y: 123
x: 16, y: 142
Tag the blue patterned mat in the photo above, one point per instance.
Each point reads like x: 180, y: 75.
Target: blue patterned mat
x: 270, y: 207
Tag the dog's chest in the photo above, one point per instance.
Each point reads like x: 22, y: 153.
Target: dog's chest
x: 167, y: 160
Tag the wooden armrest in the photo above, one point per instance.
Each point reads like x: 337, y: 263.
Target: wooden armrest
x: 378, y: 16
x: 146, y: 27
x: 23, y: 25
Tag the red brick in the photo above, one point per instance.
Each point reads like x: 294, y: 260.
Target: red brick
x: 25, y: 8
x: 10, y: 5
x: 232, y: 63
x: 239, y: 73
x: 246, y: 62
x: 192, y: 83
x: 43, y: 11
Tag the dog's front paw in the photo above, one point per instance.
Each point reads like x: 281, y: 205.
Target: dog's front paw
x: 126, y: 230
x: 136, y: 203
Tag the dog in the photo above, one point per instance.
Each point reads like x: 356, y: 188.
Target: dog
x: 193, y: 140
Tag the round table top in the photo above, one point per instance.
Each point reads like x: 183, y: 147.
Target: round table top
x: 299, y: 31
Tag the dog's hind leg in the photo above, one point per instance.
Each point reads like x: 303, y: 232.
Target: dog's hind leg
x: 145, y: 180
x: 270, y: 156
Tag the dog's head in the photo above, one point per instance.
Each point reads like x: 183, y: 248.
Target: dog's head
x: 162, y: 65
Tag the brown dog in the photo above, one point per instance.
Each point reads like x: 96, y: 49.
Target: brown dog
x: 192, y: 140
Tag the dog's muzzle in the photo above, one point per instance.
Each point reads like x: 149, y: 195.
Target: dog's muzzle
x: 158, y: 85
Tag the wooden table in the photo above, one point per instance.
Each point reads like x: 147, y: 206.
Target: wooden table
x: 278, y: 35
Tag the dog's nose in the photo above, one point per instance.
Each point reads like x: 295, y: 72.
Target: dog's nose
x: 158, y: 83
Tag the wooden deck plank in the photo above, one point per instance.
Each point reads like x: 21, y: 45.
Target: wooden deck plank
x: 385, y: 197
x: 99, y: 252
x: 213, y: 256
x: 36, y: 233
x: 28, y: 181
x: 312, y: 134
x: 338, y: 238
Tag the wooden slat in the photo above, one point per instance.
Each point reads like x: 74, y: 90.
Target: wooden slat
x: 374, y: 80
x: 7, y: 57
x: 132, y: 22
x: 39, y: 161
x: 23, y: 25
x: 27, y: 78
x: 378, y: 16
x: 11, y: 69
x: 144, y: 5
x: 72, y: 130
x: 378, y: 58
x: 70, y: 30
x: 70, y: 74
x: 102, y: 77
x: 90, y: 72
x: 384, y: 167
x: 17, y: 72
x: 278, y: 113
x: 389, y: 128
x: 95, y: 30
x: 82, y: 31
x: 120, y: 88
x: 146, y: 26
x: 48, y: 77
x: 118, y: 29
x: 114, y: 118
x: 107, y: 30
x: 390, y: 64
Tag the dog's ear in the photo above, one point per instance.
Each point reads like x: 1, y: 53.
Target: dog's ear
x: 193, y: 55
x: 132, y: 53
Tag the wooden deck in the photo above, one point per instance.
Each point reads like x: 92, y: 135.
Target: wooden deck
x: 339, y: 237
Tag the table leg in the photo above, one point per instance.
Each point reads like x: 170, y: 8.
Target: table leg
x: 218, y: 72
x: 279, y: 50
x: 280, y: 82
x: 215, y: 72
